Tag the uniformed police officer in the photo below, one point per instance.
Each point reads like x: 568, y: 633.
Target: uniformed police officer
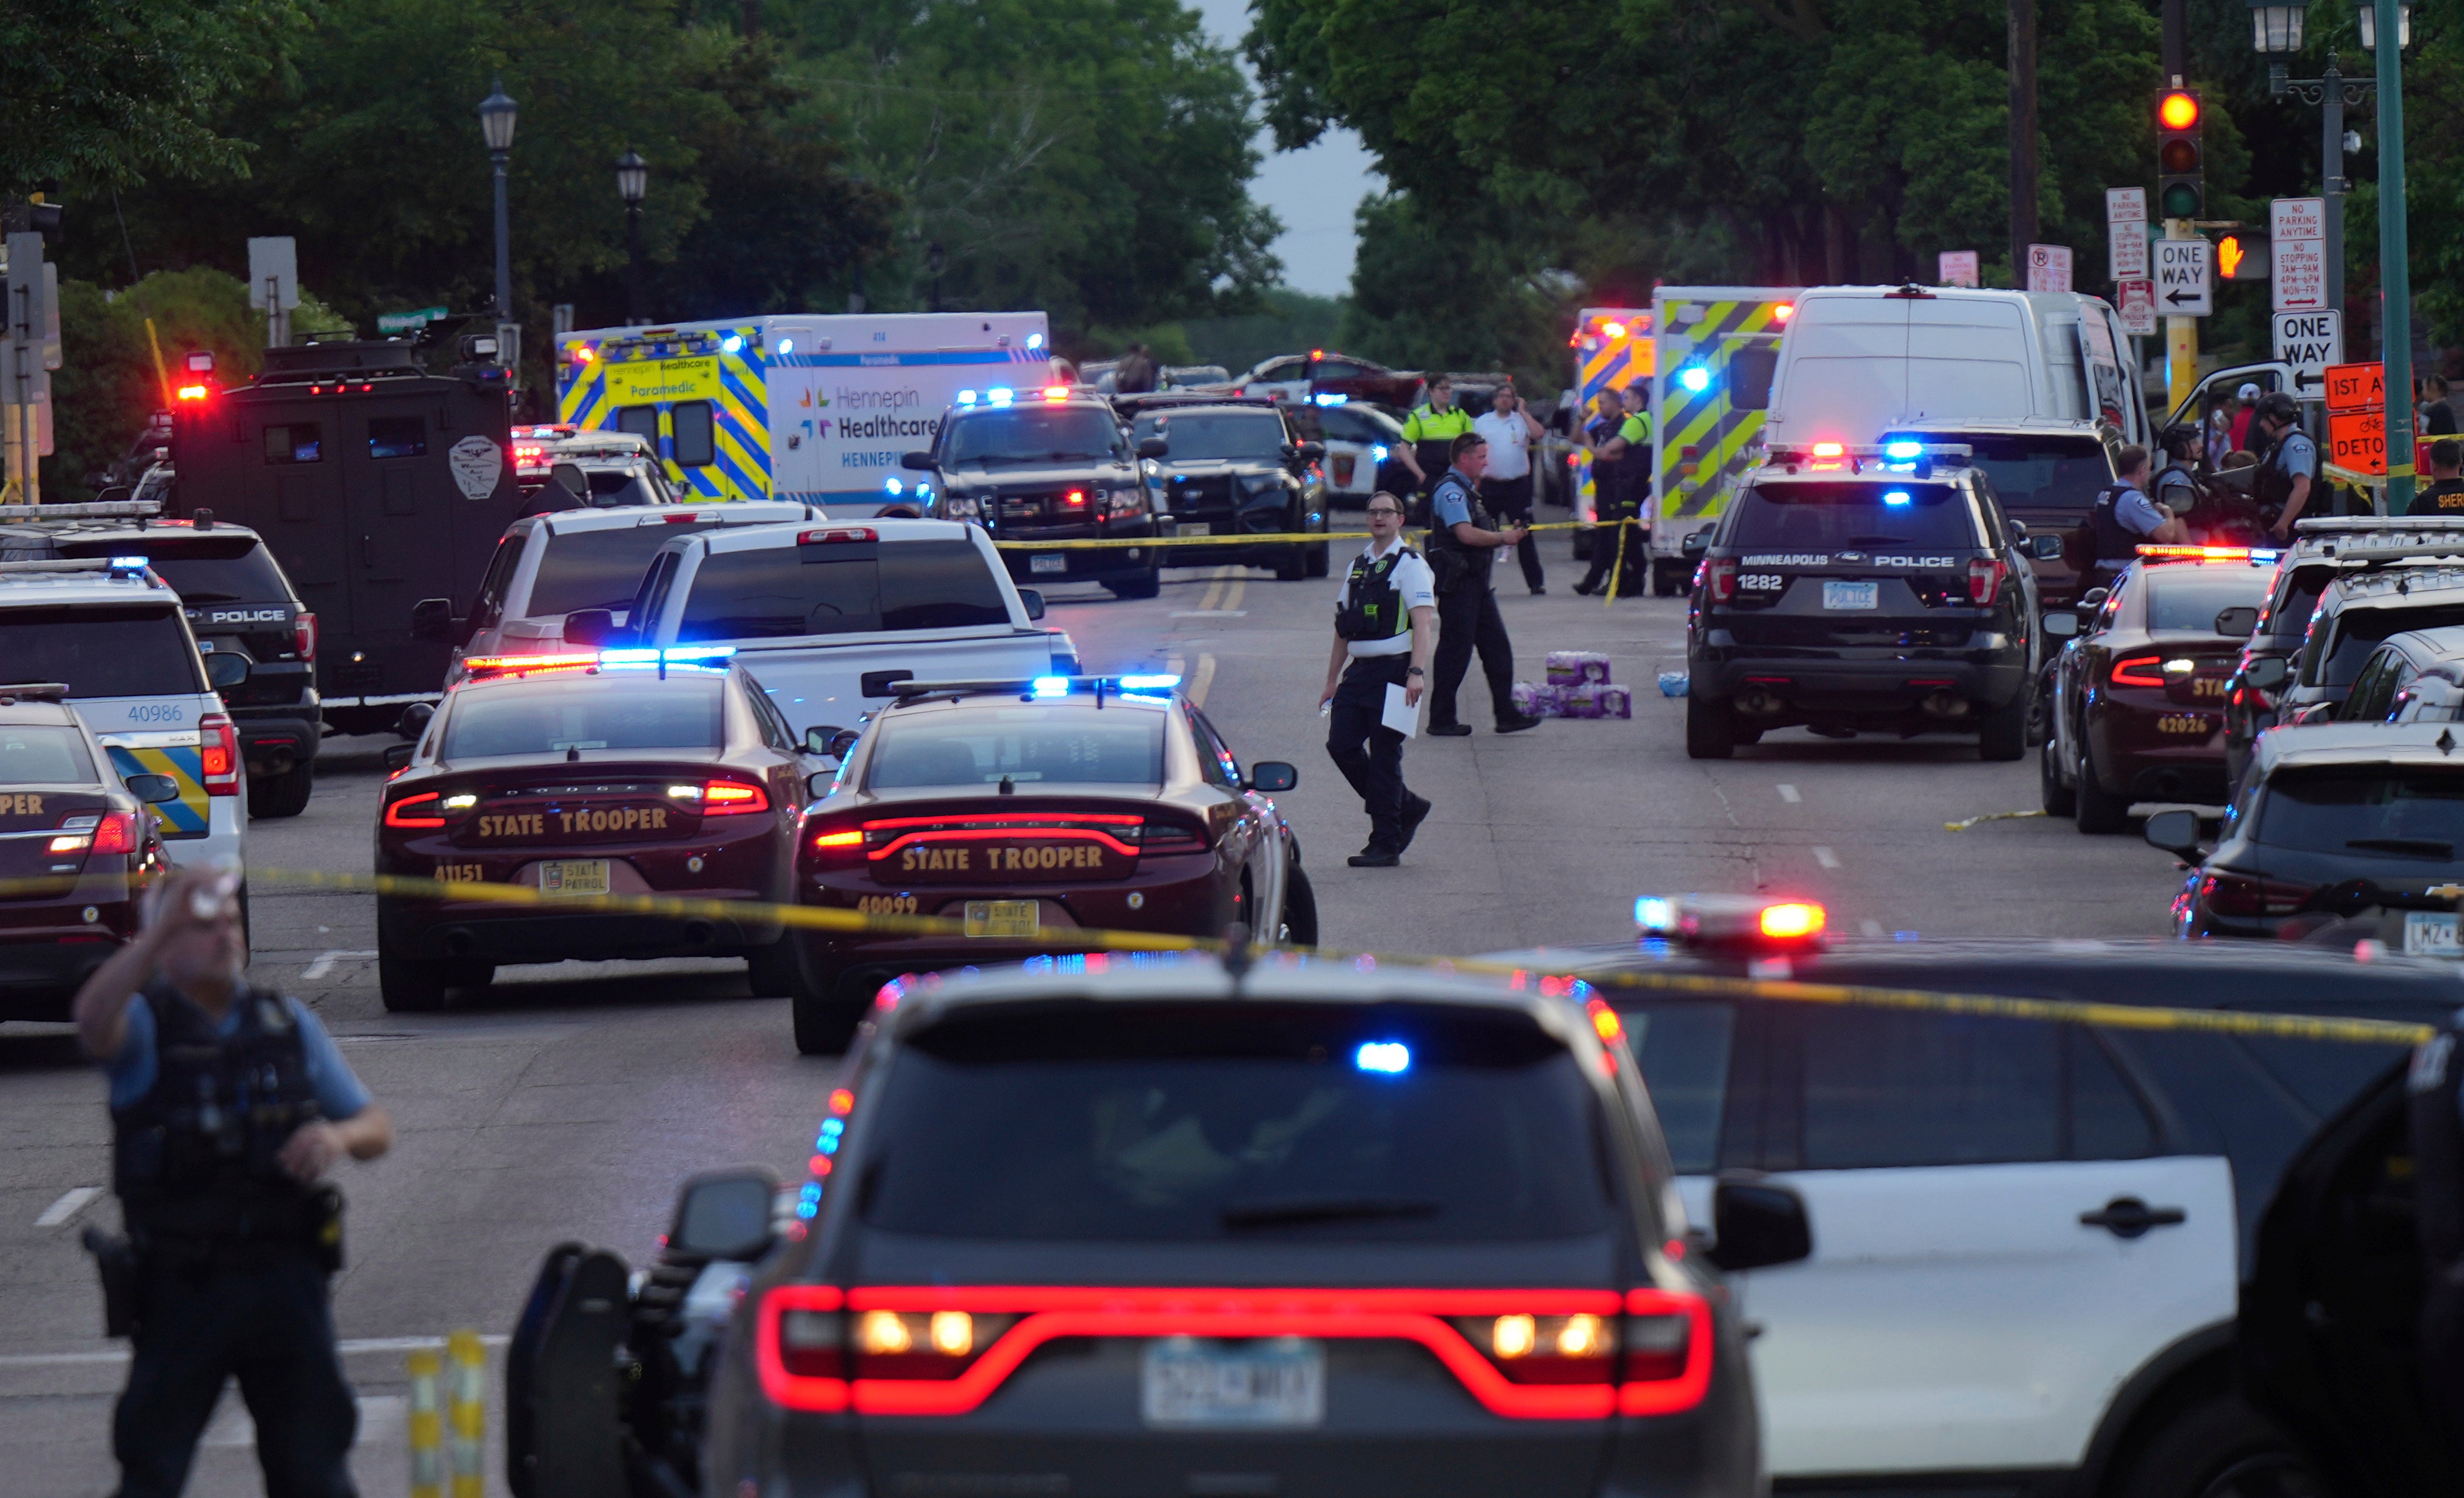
x: 1464, y: 543
x: 229, y: 1103
x: 2123, y: 517
x: 1384, y: 621
x: 2437, y: 1120
x: 1623, y: 497
x: 2290, y: 470
x: 1430, y: 434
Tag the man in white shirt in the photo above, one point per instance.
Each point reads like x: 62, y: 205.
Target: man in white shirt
x: 1507, y: 488
x: 1385, y: 621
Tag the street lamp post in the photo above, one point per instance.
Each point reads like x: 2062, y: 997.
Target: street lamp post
x: 497, y: 128
x: 632, y: 185
x: 2276, y: 32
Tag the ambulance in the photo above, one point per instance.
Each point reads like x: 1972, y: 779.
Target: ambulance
x: 1714, y: 351
x: 797, y: 406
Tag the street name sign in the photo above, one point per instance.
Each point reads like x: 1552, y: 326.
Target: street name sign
x: 2184, y: 287
x: 2298, y: 227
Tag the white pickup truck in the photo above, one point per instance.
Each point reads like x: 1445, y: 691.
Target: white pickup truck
x: 826, y: 616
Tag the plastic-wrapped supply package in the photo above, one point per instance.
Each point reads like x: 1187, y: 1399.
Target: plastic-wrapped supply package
x: 1539, y: 699
x: 1565, y: 668
x: 1672, y: 683
x: 1599, y: 699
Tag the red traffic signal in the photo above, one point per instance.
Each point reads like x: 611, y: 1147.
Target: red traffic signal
x: 2178, y: 110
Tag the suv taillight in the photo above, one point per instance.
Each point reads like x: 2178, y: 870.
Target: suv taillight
x: 1722, y: 573
x: 218, y: 755
x: 1985, y: 575
x: 303, y: 636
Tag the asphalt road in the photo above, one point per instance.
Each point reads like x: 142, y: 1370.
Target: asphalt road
x: 571, y: 1101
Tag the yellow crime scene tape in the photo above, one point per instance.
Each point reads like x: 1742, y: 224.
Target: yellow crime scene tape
x: 815, y: 917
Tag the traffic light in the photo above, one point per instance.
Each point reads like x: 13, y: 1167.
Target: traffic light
x: 2181, y: 178
x: 32, y: 215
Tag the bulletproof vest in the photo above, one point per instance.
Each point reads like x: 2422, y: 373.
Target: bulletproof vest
x: 2272, y: 489
x: 2439, y: 1146
x: 1442, y: 538
x: 2115, y: 545
x: 2164, y: 480
x: 196, y: 1157
x: 1373, y: 606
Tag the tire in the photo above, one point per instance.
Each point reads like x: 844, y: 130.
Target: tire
x: 1710, y: 728
x: 1745, y: 733
x: 825, y: 1019
x: 284, y: 795
x: 2057, y: 798
x: 410, y: 987
x: 1145, y: 587
x: 2002, y: 734
x: 1321, y: 559
x: 1664, y: 581
x: 775, y: 970
x: 1291, y: 566
x: 1300, y: 909
x: 2218, y: 1447
x: 2098, y: 810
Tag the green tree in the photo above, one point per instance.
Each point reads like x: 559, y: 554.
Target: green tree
x: 109, y: 379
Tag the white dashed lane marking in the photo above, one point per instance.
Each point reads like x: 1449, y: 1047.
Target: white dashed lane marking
x: 72, y: 1202
x: 325, y: 961
x: 1788, y: 793
x: 1826, y: 858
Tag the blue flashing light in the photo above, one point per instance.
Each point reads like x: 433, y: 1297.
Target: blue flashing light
x: 1903, y: 936
x: 1651, y: 912
x: 1051, y: 686
x: 731, y: 344
x: 786, y: 345
x: 1328, y: 400
x: 1388, y: 1058
x: 1903, y: 451
x: 1897, y: 496
x: 893, y: 486
x: 1034, y: 342
x: 1378, y: 453
x: 1694, y: 378
x: 628, y: 657
x: 129, y: 563
x: 966, y: 397
x: 696, y: 653
x: 1148, y: 683
x: 1000, y: 394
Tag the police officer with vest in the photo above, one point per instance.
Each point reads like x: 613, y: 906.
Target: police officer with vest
x: 1464, y: 543
x: 1430, y: 433
x: 2123, y: 516
x: 2437, y: 1123
x: 1384, y: 621
x: 2290, y: 470
x: 228, y: 1104
x: 1627, y: 547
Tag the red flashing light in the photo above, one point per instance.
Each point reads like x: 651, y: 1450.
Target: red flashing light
x: 1317, y: 353
x: 477, y: 665
x: 1783, y: 311
x: 1794, y: 921
x: 1077, y: 497
x: 585, y: 354
x: 1056, y: 392
x: 2139, y: 671
x: 842, y: 1102
x: 192, y: 392
x: 1830, y: 449
x: 1604, y: 1020
x: 399, y: 814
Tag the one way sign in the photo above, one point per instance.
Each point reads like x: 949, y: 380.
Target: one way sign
x: 2183, y: 278
x: 2309, y: 342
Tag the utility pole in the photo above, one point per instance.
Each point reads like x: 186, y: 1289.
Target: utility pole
x: 2181, y: 333
x: 2023, y: 134
x: 2395, y: 270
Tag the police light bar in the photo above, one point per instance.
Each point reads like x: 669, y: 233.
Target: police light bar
x: 114, y: 566
x: 1737, y: 922
x: 1041, y: 687
x: 711, y: 656
x: 1056, y: 392
x: 98, y: 510
x: 2376, y: 539
x: 1896, y: 450
x: 2254, y: 556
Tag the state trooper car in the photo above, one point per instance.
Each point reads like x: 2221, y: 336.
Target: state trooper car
x: 1864, y: 589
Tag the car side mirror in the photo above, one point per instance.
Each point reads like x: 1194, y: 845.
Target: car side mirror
x: 819, y: 782
x: 414, y: 721
x: 152, y: 789
x: 2061, y: 625
x: 2269, y: 673
x: 1312, y: 451
x: 1695, y: 544
x: 919, y: 461
x: 224, y: 671
x: 2045, y: 548
x: 1758, y: 1224
x: 726, y: 1214
x: 2237, y: 622
x: 831, y: 741
x: 431, y: 619
x: 589, y: 626
x: 1153, y: 447
x: 1033, y: 598
x: 2176, y: 833
x: 569, y: 477
x: 397, y: 757
x: 2017, y: 531
x: 2092, y: 598
x: 1273, y: 775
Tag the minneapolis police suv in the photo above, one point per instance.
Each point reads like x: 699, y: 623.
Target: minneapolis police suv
x: 1864, y: 589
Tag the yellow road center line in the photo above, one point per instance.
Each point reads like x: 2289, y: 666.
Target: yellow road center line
x: 1205, y: 678
x: 1990, y: 816
x: 1232, y: 594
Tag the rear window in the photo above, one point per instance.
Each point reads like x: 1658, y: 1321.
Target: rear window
x: 1201, y: 436
x: 2187, y: 600
x: 1034, y: 435
x: 550, y: 717
x: 984, y: 746
x: 2358, y: 631
x: 1190, y: 1123
x: 2372, y: 810
x: 133, y: 651
x: 613, y: 486
x: 1864, y: 516
x: 2040, y: 473
x: 44, y: 753
x: 593, y: 569
x: 235, y: 569
x: 840, y: 589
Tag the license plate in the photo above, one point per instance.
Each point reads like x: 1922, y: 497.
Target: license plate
x: 574, y: 876
x: 1194, y: 528
x: 2430, y: 933
x: 1851, y: 595
x: 1012, y: 918
x: 1277, y: 1383
x: 1047, y: 561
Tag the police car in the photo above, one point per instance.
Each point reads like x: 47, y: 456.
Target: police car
x: 1156, y: 1225
x: 2355, y: 612
x: 113, y: 632
x: 1866, y: 590
x: 2030, y: 1239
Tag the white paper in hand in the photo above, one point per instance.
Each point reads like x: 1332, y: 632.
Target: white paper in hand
x: 1403, y: 717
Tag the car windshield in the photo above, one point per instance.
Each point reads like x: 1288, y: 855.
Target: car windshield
x: 44, y: 753
x: 2187, y: 600
x: 2059, y: 474
x: 614, y: 486
x: 1864, y: 516
x: 135, y: 650
x: 599, y: 569
x: 1186, y: 1122
x: 1200, y: 436
x: 551, y: 715
x: 841, y: 587
x: 2358, y: 631
x: 2372, y: 810
x: 224, y: 569
x: 980, y: 745
x: 1015, y: 435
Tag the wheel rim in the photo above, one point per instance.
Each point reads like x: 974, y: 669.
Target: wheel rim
x: 2264, y: 1474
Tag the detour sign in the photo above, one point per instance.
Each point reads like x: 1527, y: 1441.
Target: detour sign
x: 2357, y: 440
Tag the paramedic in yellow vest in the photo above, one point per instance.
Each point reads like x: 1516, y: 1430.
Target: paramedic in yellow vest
x: 1630, y: 449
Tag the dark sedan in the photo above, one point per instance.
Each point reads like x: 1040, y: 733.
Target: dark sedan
x: 639, y: 772
x: 1028, y: 810
x: 1236, y: 469
x: 2138, y: 709
x: 1044, y: 466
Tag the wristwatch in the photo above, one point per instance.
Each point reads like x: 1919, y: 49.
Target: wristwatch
x: 1414, y: 671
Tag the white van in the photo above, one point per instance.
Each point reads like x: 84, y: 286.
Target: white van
x: 1860, y: 360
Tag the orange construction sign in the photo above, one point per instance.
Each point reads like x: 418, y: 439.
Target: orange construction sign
x: 2356, y: 387
x: 2357, y: 440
